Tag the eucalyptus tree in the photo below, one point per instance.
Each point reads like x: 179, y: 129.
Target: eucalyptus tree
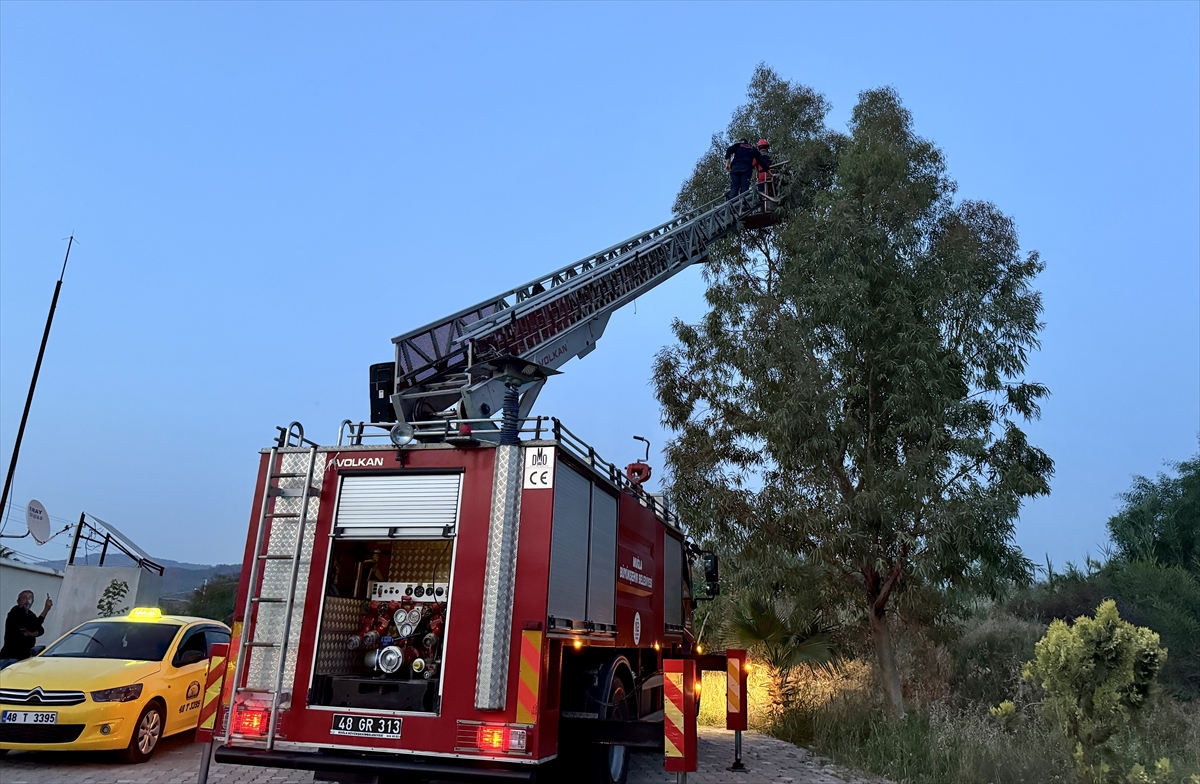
x: 855, y: 394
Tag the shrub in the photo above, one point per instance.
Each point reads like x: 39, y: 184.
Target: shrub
x: 1098, y: 675
x: 111, y: 598
x: 933, y: 744
x: 989, y: 656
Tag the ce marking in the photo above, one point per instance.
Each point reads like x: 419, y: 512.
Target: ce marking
x: 539, y: 468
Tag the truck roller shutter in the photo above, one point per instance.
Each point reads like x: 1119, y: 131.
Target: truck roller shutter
x: 673, y: 579
x: 406, y: 506
x: 569, y: 545
x: 602, y: 566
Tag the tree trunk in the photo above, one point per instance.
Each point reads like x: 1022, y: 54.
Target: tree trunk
x: 881, y: 635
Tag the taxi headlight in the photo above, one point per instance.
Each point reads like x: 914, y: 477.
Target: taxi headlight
x: 119, y: 694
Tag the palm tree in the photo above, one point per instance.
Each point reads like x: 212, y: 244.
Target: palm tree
x: 779, y: 635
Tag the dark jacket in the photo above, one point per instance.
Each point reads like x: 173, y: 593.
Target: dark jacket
x: 16, y: 644
x: 742, y: 157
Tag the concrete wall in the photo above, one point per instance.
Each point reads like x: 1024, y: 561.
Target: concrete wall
x: 16, y: 577
x: 82, y: 588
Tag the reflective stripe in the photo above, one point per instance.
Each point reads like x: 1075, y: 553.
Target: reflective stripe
x: 527, y: 688
x: 733, y: 683
x: 673, y: 714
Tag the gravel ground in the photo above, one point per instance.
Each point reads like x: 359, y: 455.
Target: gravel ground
x: 178, y: 759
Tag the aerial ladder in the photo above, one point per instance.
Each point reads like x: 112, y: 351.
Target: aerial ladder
x: 461, y: 367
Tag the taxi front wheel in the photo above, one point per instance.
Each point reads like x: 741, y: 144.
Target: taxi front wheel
x: 146, y: 734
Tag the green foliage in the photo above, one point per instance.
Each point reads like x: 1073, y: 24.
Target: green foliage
x: 1167, y: 600
x: 214, y: 599
x: 1098, y: 675
x: 988, y: 657
x: 853, y: 394
x: 1006, y: 714
x: 1151, y: 576
x: 784, y: 638
x: 933, y: 744
x: 111, y: 598
x: 1160, y: 519
x: 940, y: 744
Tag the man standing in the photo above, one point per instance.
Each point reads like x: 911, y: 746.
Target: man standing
x: 740, y: 160
x: 21, y: 629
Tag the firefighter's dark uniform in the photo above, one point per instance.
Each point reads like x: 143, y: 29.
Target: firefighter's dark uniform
x: 741, y: 157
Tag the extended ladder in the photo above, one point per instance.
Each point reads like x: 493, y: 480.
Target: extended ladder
x: 257, y: 635
x: 560, y: 315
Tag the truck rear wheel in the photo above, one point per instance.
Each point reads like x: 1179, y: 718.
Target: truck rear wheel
x: 612, y: 762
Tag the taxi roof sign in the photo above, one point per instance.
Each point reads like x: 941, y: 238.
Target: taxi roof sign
x: 146, y: 613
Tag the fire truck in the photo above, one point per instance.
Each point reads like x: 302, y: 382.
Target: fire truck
x: 458, y: 590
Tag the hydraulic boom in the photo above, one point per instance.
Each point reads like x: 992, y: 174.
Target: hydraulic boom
x: 440, y: 368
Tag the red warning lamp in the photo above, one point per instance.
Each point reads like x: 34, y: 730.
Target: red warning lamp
x: 499, y: 738
x: 248, y: 721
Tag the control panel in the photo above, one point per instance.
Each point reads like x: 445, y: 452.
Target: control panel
x: 417, y: 592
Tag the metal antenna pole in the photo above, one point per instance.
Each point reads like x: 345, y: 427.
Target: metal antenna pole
x: 12, y: 464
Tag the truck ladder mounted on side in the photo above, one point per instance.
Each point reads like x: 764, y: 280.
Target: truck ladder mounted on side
x: 545, y: 322
x: 278, y: 570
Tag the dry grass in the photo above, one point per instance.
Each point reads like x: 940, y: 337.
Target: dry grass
x: 712, y: 699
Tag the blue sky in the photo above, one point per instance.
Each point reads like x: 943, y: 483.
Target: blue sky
x: 265, y: 194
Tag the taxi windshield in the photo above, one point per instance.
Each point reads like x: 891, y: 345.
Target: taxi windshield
x: 116, y: 640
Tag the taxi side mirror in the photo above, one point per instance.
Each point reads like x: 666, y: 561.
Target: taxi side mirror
x: 190, y: 657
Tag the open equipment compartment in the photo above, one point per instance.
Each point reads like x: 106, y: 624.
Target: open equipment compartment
x: 387, y: 593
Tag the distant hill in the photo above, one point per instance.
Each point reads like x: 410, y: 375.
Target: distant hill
x: 179, y: 578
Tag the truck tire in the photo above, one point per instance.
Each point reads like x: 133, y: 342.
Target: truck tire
x: 611, y: 765
x: 147, y: 732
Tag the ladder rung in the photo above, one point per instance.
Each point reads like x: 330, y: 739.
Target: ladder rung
x: 274, y: 557
x: 262, y: 645
x: 277, y: 515
x: 266, y: 600
x: 287, y: 476
x: 241, y: 689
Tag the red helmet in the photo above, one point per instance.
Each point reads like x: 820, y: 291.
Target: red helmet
x: 763, y: 143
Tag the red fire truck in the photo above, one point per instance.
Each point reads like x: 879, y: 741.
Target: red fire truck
x: 458, y: 590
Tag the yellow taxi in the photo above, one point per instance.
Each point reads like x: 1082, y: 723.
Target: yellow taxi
x: 110, y: 684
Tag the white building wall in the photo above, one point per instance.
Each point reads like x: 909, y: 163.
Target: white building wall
x: 82, y: 588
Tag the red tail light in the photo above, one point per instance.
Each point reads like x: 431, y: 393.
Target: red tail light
x: 497, y: 737
x: 248, y: 721
x: 492, y: 738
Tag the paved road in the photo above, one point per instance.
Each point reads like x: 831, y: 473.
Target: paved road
x: 177, y: 760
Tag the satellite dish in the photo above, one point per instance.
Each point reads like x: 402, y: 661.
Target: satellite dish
x: 38, y: 522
